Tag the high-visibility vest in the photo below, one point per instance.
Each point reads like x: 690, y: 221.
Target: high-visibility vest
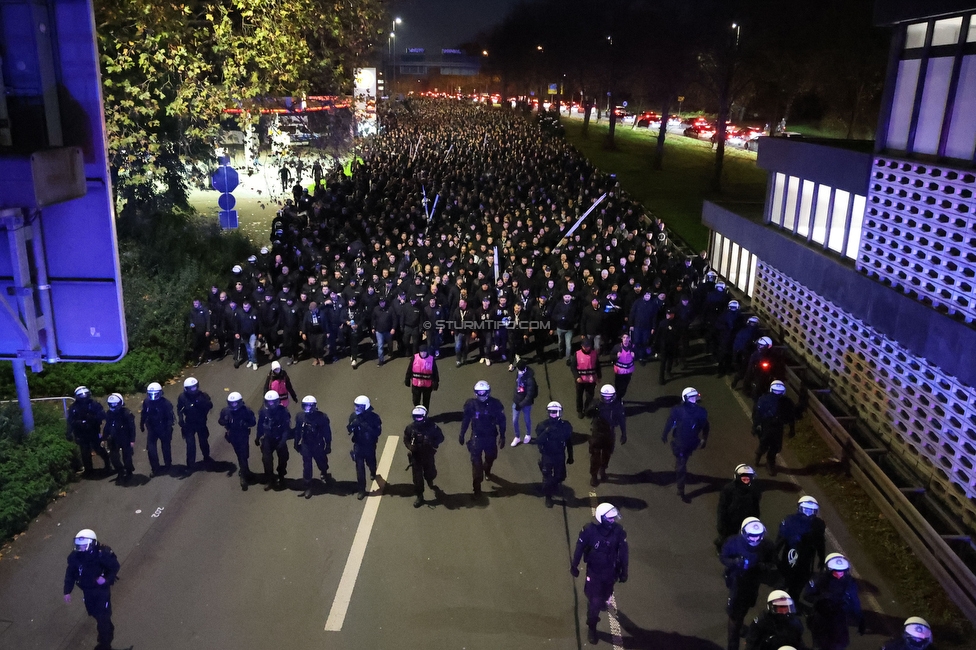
x: 586, y: 366
x: 422, y: 371
x: 624, y: 363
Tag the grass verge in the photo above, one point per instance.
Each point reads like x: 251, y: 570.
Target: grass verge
x: 676, y: 192
x: 914, y: 586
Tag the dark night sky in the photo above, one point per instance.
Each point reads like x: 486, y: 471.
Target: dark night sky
x: 436, y: 24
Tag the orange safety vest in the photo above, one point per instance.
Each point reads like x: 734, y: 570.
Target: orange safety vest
x: 586, y: 366
x: 624, y: 365
x: 423, y: 371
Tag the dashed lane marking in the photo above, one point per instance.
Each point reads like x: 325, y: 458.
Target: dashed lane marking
x: 337, y: 615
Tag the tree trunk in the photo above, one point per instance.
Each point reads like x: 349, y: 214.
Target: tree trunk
x: 662, y: 134
x: 721, y: 128
x: 587, y: 109
x: 612, y: 105
x: 854, y: 109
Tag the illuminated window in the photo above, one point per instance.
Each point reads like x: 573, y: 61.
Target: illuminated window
x: 962, y: 131
x: 902, y: 104
x: 933, y: 105
x: 776, y: 207
x: 820, y: 217
x: 971, y: 36
x: 915, y: 37
x: 806, y: 205
x: 946, y: 31
x: 857, y: 221
x: 838, y: 221
x: 793, y: 189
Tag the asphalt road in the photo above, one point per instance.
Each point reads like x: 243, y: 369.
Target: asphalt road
x: 205, y: 565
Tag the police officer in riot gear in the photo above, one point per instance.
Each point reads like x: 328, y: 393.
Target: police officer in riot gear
x: 916, y: 634
x: 746, y: 557
x: 192, y: 408
x: 119, y: 436
x: 834, y: 600
x: 739, y: 499
x: 313, y: 440
x: 554, y: 436
x: 689, y: 423
x: 800, y: 545
x: 365, y: 427
x: 486, y: 417
x: 603, y: 546
x: 238, y: 420
x: 763, y: 367
x: 156, y: 420
x: 772, y: 413
x: 422, y: 437
x: 274, y: 429
x: 94, y: 568
x: 85, y: 417
x: 776, y: 627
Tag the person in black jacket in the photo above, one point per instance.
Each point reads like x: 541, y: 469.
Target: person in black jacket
x: 238, y: 420
x: 192, y: 408
x: 603, y: 546
x: 246, y: 331
x: 274, y: 430
x: 422, y: 438
x: 832, y: 596
x: 84, y: 424
x: 777, y: 627
x: 94, y: 568
x: 526, y: 390
x: 689, y: 423
x: 801, y: 545
x: 916, y: 634
x: 200, y: 328
x: 384, y: 326
x: 313, y: 440
x: 119, y: 435
x: 158, y: 417
x: 313, y: 332
x: 739, y: 499
x: 746, y: 557
x: 772, y: 413
x: 486, y: 417
x: 554, y: 436
x: 365, y: 428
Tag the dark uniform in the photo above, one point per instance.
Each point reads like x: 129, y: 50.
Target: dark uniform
x: 156, y: 420
x: 85, y: 419
x: 274, y: 429
x: 744, y: 568
x: 604, y: 549
x: 313, y: 440
x: 601, y: 446
x: 834, y: 602
x: 422, y: 438
x: 119, y: 435
x: 800, y: 545
x: 771, y: 414
x: 689, y: 422
x: 736, y: 502
x: 192, y: 409
x: 85, y: 568
x: 239, y: 422
x: 613, y: 412
x: 365, y: 429
x: 554, y: 437
x: 771, y: 631
x: 487, y: 422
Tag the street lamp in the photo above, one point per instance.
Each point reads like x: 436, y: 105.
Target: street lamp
x: 396, y: 21
x: 738, y: 28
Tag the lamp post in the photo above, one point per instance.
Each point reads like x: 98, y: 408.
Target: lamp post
x: 396, y: 21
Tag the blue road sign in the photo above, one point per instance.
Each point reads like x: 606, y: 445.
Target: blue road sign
x: 226, y: 201
x: 225, y: 179
x: 228, y: 219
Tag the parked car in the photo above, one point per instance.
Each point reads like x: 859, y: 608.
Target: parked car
x: 648, y: 119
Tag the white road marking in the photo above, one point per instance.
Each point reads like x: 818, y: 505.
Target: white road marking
x: 337, y: 615
x: 872, y: 602
x: 615, y: 633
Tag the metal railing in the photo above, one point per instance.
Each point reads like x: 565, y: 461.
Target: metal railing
x: 63, y: 400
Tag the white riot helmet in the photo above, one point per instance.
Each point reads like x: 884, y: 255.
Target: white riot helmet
x: 606, y: 514
x: 744, y: 470
x: 85, y: 539
x: 918, y: 633
x: 764, y: 342
x: 555, y: 409
x: 82, y: 392
x: 361, y: 404
x: 777, y: 388
x: 752, y: 320
x: 154, y: 390
x: 482, y: 389
x: 234, y: 400
x: 808, y: 506
x: 711, y: 276
x: 780, y: 602
x: 734, y: 305
x: 720, y: 286
x: 309, y: 403
x: 837, y: 562
x: 419, y: 413
x: 115, y: 401
x: 271, y: 398
x: 190, y: 384
x: 608, y: 392
x: 689, y: 395
x: 236, y: 270
x: 753, y: 530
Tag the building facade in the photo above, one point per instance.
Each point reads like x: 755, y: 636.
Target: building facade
x: 865, y: 258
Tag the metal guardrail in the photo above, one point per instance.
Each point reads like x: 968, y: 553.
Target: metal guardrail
x: 929, y: 546
x: 63, y: 400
